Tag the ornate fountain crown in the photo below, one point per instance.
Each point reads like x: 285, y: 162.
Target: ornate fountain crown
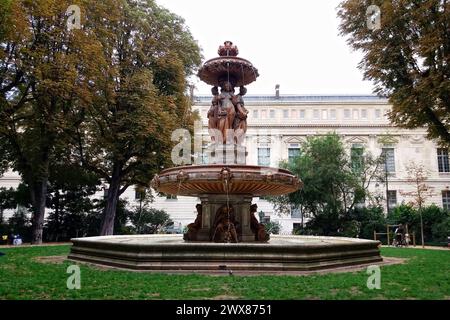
x: 238, y: 71
x: 228, y: 50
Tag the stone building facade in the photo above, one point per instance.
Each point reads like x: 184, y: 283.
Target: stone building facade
x: 278, y: 125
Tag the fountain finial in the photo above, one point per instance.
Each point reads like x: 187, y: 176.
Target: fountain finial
x: 228, y: 49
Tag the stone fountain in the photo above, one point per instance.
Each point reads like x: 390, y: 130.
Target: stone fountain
x: 225, y: 233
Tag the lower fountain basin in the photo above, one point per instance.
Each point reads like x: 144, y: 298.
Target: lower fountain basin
x: 171, y: 253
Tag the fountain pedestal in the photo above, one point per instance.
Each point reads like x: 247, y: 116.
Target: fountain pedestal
x: 227, y: 154
x: 211, y: 203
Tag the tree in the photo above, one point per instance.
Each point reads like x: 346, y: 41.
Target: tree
x: 417, y: 176
x: 141, y: 98
x: 46, y: 81
x: 20, y: 224
x: 69, y: 196
x: 407, y: 58
x: 332, y: 183
x: 149, y: 220
x: 7, y: 201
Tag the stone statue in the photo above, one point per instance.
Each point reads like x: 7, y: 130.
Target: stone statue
x: 193, y: 228
x: 225, y: 225
x: 227, y: 115
x: 227, y: 111
x: 258, y: 228
x: 240, y: 120
x: 213, y: 114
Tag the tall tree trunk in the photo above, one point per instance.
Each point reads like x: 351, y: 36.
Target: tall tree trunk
x: 107, y: 227
x: 57, y: 218
x: 38, y: 196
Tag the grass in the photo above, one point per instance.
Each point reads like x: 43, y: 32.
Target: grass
x: 426, y: 275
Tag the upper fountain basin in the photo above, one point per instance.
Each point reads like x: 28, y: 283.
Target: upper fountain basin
x: 221, y: 179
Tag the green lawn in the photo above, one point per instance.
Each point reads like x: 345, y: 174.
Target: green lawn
x: 426, y: 275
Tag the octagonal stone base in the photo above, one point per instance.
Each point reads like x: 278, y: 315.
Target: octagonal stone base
x: 171, y: 253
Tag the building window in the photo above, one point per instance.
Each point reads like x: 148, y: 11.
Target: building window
x: 392, y: 198
x: 377, y: 114
x: 325, y: 114
x: 264, y: 156
x: 171, y: 197
x: 293, y: 152
x: 357, y: 158
x: 255, y: 114
x: 363, y: 114
x: 389, y: 158
x: 263, y: 114
x: 294, y: 114
x: 285, y: 114
x: 302, y: 114
x: 316, y: 114
x: 446, y: 199
x: 443, y: 163
x: 272, y: 114
x: 347, y: 113
x: 333, y: 114
x: 355, y: 114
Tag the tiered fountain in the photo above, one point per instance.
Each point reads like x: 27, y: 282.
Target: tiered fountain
x: 226, y: 233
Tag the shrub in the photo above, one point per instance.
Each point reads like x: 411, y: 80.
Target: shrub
x: 272, y: 227
x: 441, y: 231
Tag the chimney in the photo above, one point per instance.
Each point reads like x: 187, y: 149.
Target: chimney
x: 277, y: 91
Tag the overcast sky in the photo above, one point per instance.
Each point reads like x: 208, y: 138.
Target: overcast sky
x: 294, y: 43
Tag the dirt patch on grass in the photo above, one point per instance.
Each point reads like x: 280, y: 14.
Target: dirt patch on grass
x: 51, y: 259
x: 355, y: 291
x: 153, y: 295
x: 225, y: 297
x: 312, y: 298
x: 199, y: 289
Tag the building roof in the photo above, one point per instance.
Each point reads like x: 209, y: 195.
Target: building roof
x: 288, y: 99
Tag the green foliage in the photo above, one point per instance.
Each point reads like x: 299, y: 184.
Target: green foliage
x: 149, y: 220
x: 404, y: 214
x: 19, y: 224
x: 272, y: 227
x: 333, y: 183
x: 441, y: 231
x: 126, y: 137
x: 107, y: 96
x: 365, y: 221
x: 46, y: 82
x: 407, y: 58
x: 7, y: 200
x: 435, y: 221
x: 69, y: 196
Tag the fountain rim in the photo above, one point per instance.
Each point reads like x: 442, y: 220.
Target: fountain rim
x: 220, y: 59
x: 222, y: 166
